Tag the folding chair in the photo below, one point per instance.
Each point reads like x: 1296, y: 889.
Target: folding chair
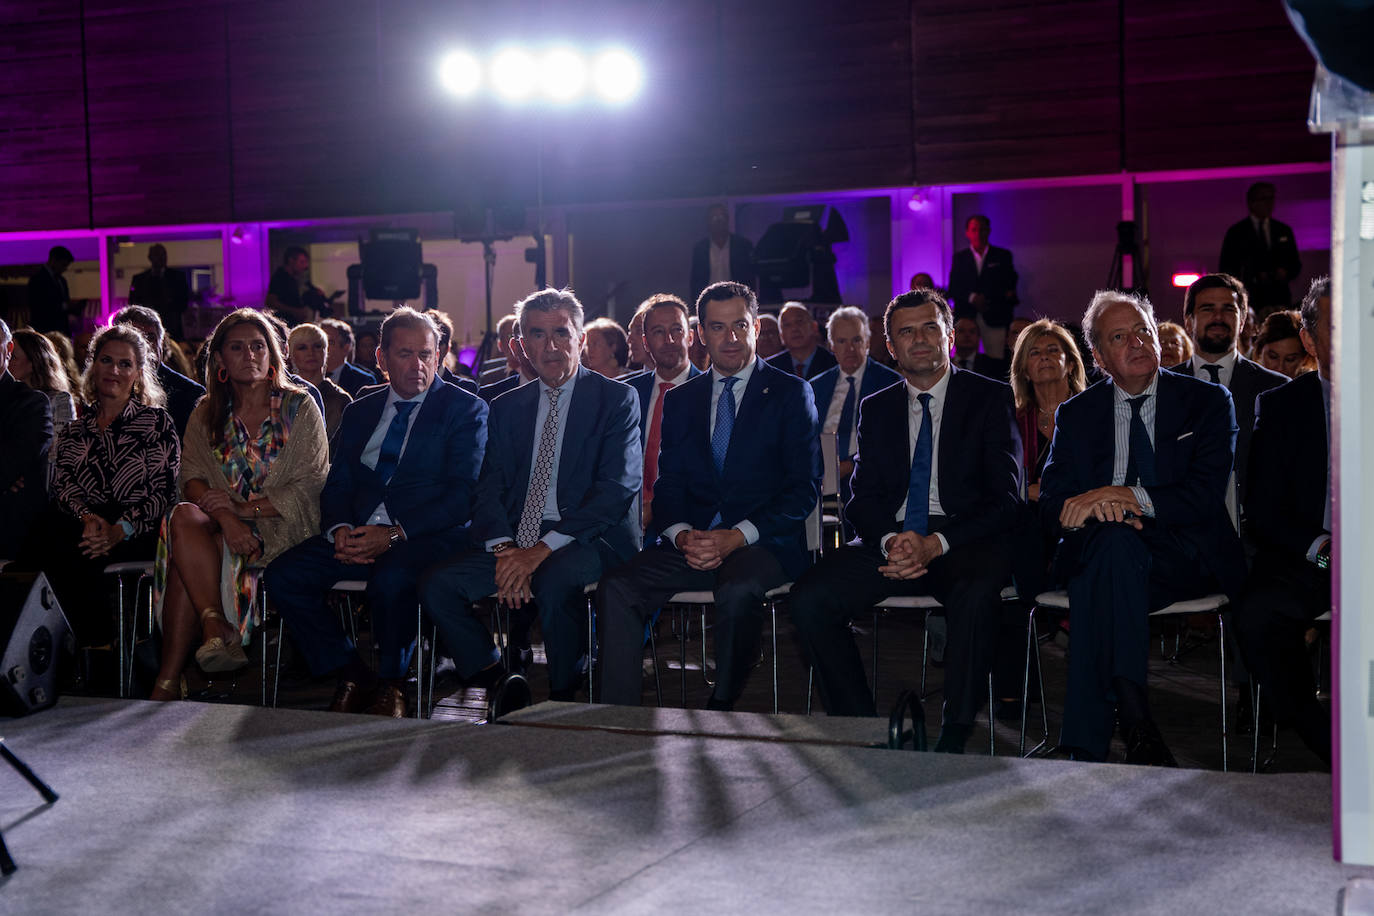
x: 143, y: 570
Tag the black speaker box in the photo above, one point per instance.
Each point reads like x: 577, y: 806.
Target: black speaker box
x: 35, y: 643
x: 391, y: 269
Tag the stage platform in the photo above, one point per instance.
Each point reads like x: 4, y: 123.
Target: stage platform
x: 192, y: 807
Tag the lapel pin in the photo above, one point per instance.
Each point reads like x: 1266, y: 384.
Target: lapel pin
x: 765, y: 391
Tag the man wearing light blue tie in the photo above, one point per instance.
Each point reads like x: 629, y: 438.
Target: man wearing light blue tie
x: 739, y: 472
x: 936, y: 486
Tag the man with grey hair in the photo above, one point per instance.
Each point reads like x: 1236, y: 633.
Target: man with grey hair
x: 1135, y: 485
x: 555, y: 506
x: 26, y: 418
x: 840, y: 388
x: 182, y: 393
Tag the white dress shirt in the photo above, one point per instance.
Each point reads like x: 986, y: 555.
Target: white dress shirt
x: 744, y: 526
x: 1121, y: 454
x: 720, y: 261
x: 832, y: 413
x: 552, y: 539
x: 1227, y: 365
x: 937, y: 394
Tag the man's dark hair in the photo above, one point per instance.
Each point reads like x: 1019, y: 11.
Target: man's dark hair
x: 915, y: 299
x: 727, y: 289
x: 292, y: 253
x: 987, y: 223
x: 142, y: 315
x: 1320, y: 289
x: 344, y: 329
x: 1216, y: 281
x: 445, y: 325
x: 61, y: 253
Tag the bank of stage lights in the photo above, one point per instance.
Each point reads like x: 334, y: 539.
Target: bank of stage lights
x: 559, y: 75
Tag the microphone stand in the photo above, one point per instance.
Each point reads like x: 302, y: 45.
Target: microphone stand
x: 7, y: 866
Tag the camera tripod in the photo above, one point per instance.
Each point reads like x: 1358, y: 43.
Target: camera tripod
x: 7, y: 866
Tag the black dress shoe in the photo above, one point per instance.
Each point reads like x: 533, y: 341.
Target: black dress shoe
x: 719, y: 705
x: 952, y: 739
x: 388, y: 700
x: 510, y: 693
x: 348, y: 697
x: 1145, y: 747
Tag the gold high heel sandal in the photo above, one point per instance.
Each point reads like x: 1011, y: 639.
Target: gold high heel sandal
x: 177, y: 689
x: 216, y: 655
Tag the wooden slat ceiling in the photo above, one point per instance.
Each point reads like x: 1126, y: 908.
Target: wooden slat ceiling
x: 217, y: 110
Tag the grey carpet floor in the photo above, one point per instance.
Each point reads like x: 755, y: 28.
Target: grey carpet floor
x: 192, y: 807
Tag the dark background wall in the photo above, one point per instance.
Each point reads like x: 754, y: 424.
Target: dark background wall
x: 121, y: 112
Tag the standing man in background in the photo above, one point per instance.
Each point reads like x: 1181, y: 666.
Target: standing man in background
x: 49, y: 300
x: 1262, y: 252
x: 722, y: 255
x: 164, y: 291
x: 982, y: 285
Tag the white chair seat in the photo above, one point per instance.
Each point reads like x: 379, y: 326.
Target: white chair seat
x: 1325, y: 617
x: 693, y: 598
x: 142, y: 567
x: 779, y: 592
x: 349, y: 585
x: 909, y: 602
x: 1205, y: 604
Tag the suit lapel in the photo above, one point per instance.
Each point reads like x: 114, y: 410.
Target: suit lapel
x: 1103, y: 449
x: 951, y: 422
x: 582, y: 413
x: 753, y: 407
x: 370, y: 416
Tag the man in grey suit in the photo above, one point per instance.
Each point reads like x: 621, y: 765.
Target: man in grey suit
x: 1214, y: 311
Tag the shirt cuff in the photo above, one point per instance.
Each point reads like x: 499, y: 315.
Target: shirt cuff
x: 330, y: 533
x: 746, y: 528
x: 1317, y: 545
x: 1143, y: 498
x: 882, y: 544
x: 944, y: 543
x: 556, y: 539
x: 492, y: 542
x: 128, y: 527
x: 670, y: 534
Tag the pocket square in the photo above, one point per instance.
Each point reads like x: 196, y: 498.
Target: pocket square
x: 1184, y: 436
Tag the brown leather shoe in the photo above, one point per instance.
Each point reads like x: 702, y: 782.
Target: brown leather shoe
x: 348, y: 697
x: 388, y: 701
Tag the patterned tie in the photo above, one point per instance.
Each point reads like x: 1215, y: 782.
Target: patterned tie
x: 918, y: 490
x: 651, y: 446
x: 1140, y: 462
x: 725, y: 423
x: 844, y: 432
x: 1213, y: 371
x: 390, y: 455
x: 532, y: 515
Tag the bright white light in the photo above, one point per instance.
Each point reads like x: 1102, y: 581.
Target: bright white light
x: 461, y: 73
x: 618, y: 76
x: 513, y: 74
x: 563, y: 74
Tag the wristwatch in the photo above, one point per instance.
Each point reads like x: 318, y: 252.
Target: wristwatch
x: 503, y: 547
x: 394, y: 535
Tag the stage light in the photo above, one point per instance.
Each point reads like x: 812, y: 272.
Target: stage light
x: 513, y: 74
x: 918, y: 202
x: 1185, y: 280
x: 618, y: 76
x: 461, y: 73
x: 563, y: 74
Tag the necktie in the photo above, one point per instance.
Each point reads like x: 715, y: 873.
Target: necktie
x: 725, y: 424
x: 844, y: 432
x: 799, y: 370
x: 918, y: 490
x: 395, y: 437
x: 651, y: 446
x: 1214, y: 372
x: 527, y: 532
x: 1140, y: 463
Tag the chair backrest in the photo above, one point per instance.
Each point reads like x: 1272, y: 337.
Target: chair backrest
x: 813, y: 529
x: 1233, y: 501
x: 830, y: 460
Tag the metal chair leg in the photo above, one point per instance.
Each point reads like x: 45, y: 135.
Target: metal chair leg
x: 1033, y: 643
x: 683, y: 620
x: 810, y: 686
x: 992, y: 721
x: 119, y: 591
x: 653, y: 654
x: 773, y: 612
x: 419, y: 659
x: 591, y: 650
x: 1221, y: 647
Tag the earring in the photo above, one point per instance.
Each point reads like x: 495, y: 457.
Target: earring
x: 223, y: 374
x: 272, y: 372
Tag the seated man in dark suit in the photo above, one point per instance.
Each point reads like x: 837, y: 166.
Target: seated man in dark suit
x: 665, y: 339
x: 445, y: 326
x: 346, y: 375
x: 182, y: 393
x: 739, y: 472
x: 839, y: 389
x: 398, y: 500
x: 966, y: 354
x: 26, y: 424
x: 555, y: 506
x: 1290, y: 523
x: 1136, y: 484
x: 1214, y: 310
x: 982, y: 284
x: 804, y: 357
x: 936, y: 490
x: 524, y: 369
x: 164, y: 291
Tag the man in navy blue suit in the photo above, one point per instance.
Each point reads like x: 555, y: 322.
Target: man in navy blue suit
x: 665, y: 338
x: 804, y: 357
x: 555, y: 506
x: 739, y: 472
x: 398, y: 500
x: 524, y: 371
x: 1136, y: 485
x: 840, y: 388
x: 351, y: 378
x: 936, y: 488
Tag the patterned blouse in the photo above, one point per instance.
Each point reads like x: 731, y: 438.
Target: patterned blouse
x: 133, y: 462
